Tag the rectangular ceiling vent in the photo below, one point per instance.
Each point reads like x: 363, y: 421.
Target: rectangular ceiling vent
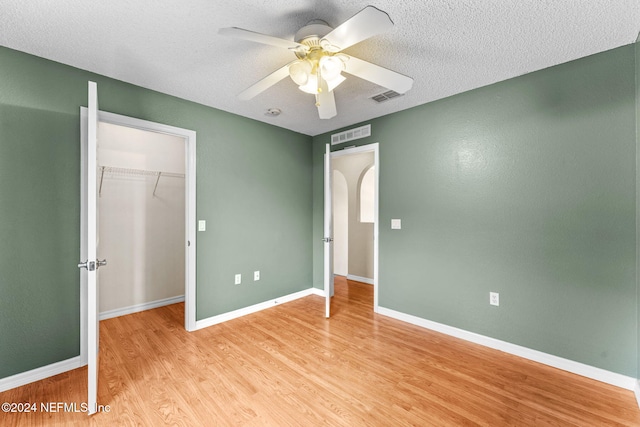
x: 385, y: 96
x: 351, y: 134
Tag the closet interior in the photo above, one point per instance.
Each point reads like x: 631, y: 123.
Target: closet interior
x: 141, y: 219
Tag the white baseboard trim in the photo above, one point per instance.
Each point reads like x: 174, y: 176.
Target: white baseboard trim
x: 316, y: 291
x: 636, y: 390
x: 140, y: 307
x: 360, y: 279
x: 588, y: 371
x: 214, y: 320
x: 38, y: 374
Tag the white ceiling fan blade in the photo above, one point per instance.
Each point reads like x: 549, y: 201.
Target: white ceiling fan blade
x: 261, y: 38
x: 364, y: 24
x: 378, y: 75
x: 326, y: 102
x: 265, y: 83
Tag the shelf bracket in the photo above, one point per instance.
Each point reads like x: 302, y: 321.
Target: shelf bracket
x: 101, y: 178
x: 157, y: 180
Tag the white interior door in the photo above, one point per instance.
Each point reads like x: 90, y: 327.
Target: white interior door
x: 328, y: 233
x: 89, y: 267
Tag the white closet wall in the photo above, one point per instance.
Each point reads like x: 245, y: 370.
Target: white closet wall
x: 140, y: 234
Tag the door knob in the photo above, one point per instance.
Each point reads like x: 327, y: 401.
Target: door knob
x: 89, y: 265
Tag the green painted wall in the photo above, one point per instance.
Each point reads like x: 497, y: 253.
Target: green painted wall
x: 253, y: 188
x: 526, y: 188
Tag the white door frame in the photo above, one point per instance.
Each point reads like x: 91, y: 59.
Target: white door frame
x: 375, y: 148
x: 190, y: 214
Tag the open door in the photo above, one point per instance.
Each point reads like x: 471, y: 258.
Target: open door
x: 328, y: 233
x: 88, y: 251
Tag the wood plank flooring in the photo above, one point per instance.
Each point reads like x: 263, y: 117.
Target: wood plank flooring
x: 288, y: 366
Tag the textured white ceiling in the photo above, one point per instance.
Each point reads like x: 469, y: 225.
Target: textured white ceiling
x: 447, y: 46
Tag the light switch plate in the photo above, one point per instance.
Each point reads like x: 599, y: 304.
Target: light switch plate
x: 202, y: 225
x: 256, y: 275
x: 396, y: 224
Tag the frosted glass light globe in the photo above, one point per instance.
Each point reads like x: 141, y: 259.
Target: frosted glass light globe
x: 330, y: 67
x: 300, y: 71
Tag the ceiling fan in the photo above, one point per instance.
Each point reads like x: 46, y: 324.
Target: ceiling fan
x: 318, y: 47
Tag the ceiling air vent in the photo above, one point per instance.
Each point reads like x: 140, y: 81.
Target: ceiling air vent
x: 385, y: 96
x: 351, y: 134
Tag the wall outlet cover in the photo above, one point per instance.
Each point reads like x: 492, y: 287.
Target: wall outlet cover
x: 494, y: 298
x: 238, y: 279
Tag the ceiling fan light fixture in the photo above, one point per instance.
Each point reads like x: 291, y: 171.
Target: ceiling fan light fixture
x: 300, y: 71
x: 311, y: 86
x: 331, y: 67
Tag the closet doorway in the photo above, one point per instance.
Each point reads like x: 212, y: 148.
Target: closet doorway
x: 162, y: 180
x: 141, y: 211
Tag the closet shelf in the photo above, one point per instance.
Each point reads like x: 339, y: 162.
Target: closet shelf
x: 135, y: 172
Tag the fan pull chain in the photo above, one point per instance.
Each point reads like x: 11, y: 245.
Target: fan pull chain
x: 319, y: 78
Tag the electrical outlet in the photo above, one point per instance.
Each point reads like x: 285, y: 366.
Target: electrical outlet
x: 256, y: 275
x: 238, y: 279
x: 494, y: 298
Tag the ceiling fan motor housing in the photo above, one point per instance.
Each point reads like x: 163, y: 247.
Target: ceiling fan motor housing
x: 311, y: 34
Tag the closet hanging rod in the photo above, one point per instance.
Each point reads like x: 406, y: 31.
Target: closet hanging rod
x: 136, y: 172
x: 141, y: 172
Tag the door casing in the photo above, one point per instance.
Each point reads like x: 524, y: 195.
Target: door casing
x: 375, y: 148
x: 190, y: 214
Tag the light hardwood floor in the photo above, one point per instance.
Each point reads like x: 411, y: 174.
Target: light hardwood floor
x: 288, y: 366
